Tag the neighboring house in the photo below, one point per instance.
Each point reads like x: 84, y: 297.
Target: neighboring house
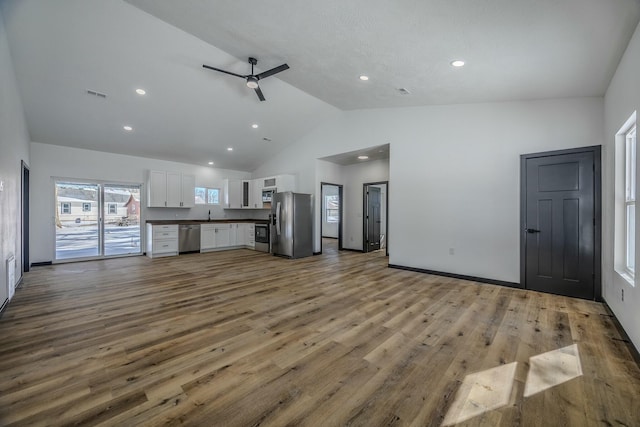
x: 133, y: 209
x: 76, y: 211
x: 80, y: 206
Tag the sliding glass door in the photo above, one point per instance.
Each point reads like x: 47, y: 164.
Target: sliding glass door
x: 121, y: 207
x: 76, y: 224
x: 96, y: 220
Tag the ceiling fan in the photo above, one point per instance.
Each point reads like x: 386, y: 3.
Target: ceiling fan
x: 252, y: 79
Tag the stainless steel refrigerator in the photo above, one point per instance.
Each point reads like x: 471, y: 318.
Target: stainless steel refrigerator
x: 291, y: 225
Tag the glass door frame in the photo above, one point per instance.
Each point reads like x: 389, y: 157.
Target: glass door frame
x: 100, y: 220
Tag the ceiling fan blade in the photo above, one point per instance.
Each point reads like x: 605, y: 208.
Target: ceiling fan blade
x: 272, y: 71
x: 259, y: 93
x: 222, y: 71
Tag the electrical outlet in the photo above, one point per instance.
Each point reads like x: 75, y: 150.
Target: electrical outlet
x: 623, y: 295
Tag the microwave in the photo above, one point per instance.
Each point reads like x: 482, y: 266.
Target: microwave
x: 267, y: 194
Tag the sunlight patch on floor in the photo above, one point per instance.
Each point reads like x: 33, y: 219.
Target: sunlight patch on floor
x: 491, y: 389
x: 481, y: 392
x: 552, y: 368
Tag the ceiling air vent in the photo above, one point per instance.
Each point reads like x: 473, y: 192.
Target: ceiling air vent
x: 403, y: 91
x: 266, y: 139
x: 95, y: 93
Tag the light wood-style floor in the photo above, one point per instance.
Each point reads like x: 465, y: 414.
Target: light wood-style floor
x: 242, y: 338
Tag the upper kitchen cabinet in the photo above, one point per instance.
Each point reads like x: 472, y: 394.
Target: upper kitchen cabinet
x: 247, y: 197
x: 248, y: 194
x: 256, y: 194
x: 233, y: 194
x: 170, y: 190
x: 280, y: 183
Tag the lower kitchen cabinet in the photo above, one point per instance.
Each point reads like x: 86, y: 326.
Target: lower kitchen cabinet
x: 162, y: 240
x: 226, y: 236
x: 223, y: 235
x: 207, y: 237
x: 251, y: 236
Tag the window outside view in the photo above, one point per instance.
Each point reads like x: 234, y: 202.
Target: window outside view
x: 208, y: 196
x: 332, y: 208
x: 80, y: 207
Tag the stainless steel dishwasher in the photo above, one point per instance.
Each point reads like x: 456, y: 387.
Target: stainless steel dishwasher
x: 189, y: 238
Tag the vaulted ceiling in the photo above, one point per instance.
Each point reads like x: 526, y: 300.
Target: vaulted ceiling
x: 513, y: 49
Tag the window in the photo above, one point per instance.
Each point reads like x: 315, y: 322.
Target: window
x: 625, y: 201
x: 332, y: 208
x: 208, y: 196
x: 201, y: 195
x: 213, y: 196
x: 630, y: 200
x: 65, y: 208
x: 86, y: 207
x: 113, y: 209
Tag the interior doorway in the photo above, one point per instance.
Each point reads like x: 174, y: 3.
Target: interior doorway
x: 375, y: 233
x: 331, y: 217
x: 560, y: 222
x: 24, y: 206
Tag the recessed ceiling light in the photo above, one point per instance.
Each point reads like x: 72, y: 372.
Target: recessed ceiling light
x: 363, y: 157
x: 229, y: 148
x: 141, y: 91
x: 211, y: 163
x: 364, y: 78
x: 255, y: 126
x: 127, y: 128
x: 457, y: 63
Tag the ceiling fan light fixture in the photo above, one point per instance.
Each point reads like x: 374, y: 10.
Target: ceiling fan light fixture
x: 252, y: 82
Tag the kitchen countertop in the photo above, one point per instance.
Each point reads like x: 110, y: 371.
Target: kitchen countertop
x: 204, y: 221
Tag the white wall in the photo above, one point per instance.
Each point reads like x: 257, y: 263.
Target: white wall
x: 14, y: 143
x: 621, y: 100
x: 48, y: 161
x: 453, y: 173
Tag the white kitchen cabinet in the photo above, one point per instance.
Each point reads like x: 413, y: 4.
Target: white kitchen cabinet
x: 251, y: 236
x: 233, y: 234
x: 222, y: 235
x: 247, y: 196
x: 233, y: 194
x: 162, y: 240
x: 256, y: 191
x: 157, y: 189
x: 174, y: 189
x: 188, y: 191
x: 207, y: 237
x: 170, y: 190
x: 241, y: 234
x: 281, y: 183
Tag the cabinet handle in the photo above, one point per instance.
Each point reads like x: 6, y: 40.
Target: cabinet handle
x: 165, y: 203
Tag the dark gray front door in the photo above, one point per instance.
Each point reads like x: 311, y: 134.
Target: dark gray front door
x: 559, y: 224
x: 373, y: 219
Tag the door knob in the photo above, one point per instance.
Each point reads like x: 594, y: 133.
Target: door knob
x: 531, y: 230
